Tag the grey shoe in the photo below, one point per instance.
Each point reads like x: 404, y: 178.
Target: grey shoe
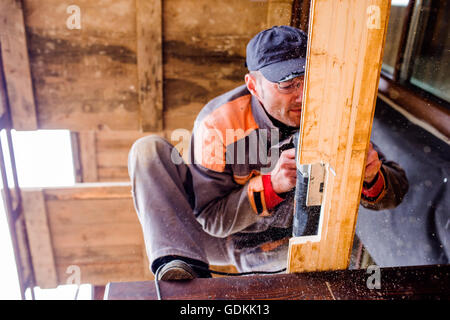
x: 176, y: 270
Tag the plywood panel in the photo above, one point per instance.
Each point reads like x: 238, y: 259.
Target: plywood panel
x: 346, y: 41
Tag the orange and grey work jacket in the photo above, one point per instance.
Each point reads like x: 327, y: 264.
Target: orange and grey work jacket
x: 234, y: 146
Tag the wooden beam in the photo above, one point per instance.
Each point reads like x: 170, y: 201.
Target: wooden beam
x: 279, y: 12
x: 88, y: 155
x: 345, y: 50
x: 425, y: 112
x: 38, y: 231
x: 17, y: 66
x: 149, y: 63
x: 300, y: 14
x: 404, y: 283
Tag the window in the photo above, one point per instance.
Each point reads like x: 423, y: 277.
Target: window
x: 417, y: 49
x: 394, y: 33
x: 431, y: 59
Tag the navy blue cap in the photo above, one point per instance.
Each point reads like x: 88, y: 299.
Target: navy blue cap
x: 279, y: 53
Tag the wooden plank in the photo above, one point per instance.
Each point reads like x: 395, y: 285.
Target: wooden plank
x: 98, y: 254
x: 428, y: 114
x: 17, y: 66
x: 300, y: 14
x: 343, y: 66
x: 76, y: 156
x: 113, y: 174
x: 404, y: 283
x: 193, y: 46
x: 85, y: 191
x: 88, y: 155
x: 24, y: 266
x: 113, y: 157
x: 92, y: 211
x: 85, y: 79
x: 279, y: 12
x: 101, y: 274
x: 93, y: 227
x: 38, y: 231
x: 149, y: 63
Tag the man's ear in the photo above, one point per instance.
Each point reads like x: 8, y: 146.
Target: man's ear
x: 250, y: 81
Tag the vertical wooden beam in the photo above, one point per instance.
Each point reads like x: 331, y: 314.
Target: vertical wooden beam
x: 76, y: 156
x: 149, y: 63
x: 279, y: 12
x: 35, y: 213
x: 300, y: 14
x: 88, y: 155
x: 345, y: 50
x: 17, y: 66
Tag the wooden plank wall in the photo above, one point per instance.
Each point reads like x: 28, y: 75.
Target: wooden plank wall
x: 91, y: 78
x: 93, y: 227
x: 346, y: 42
x: 137, y: 67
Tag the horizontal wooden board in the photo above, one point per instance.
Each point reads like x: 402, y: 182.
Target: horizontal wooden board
x: 88, y: 212
x: 401, y: 283
x: 101, y: 274
x: 98, y: 254
x: 118, y: 173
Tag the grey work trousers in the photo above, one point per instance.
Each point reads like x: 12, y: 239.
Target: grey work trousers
x: 163, y: 199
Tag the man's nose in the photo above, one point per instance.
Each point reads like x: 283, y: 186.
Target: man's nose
x: 298, y: 94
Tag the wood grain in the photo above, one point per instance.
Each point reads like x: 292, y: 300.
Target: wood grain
x: 91, y: 226
x: 343, y: 66
x: 88, y: 156
x: 85, y: 79
x: 401, y: 283
x: 279, y: 12
x: 38, y: 231
x: 149, y: 63
x: 16, y: 66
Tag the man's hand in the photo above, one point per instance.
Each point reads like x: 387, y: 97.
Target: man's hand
x: 373, y: 164
x: 284, y: 175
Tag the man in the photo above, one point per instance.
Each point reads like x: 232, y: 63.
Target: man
x: 233, y: 203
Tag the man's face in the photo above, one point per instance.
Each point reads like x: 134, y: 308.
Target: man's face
x: 283, y: 101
